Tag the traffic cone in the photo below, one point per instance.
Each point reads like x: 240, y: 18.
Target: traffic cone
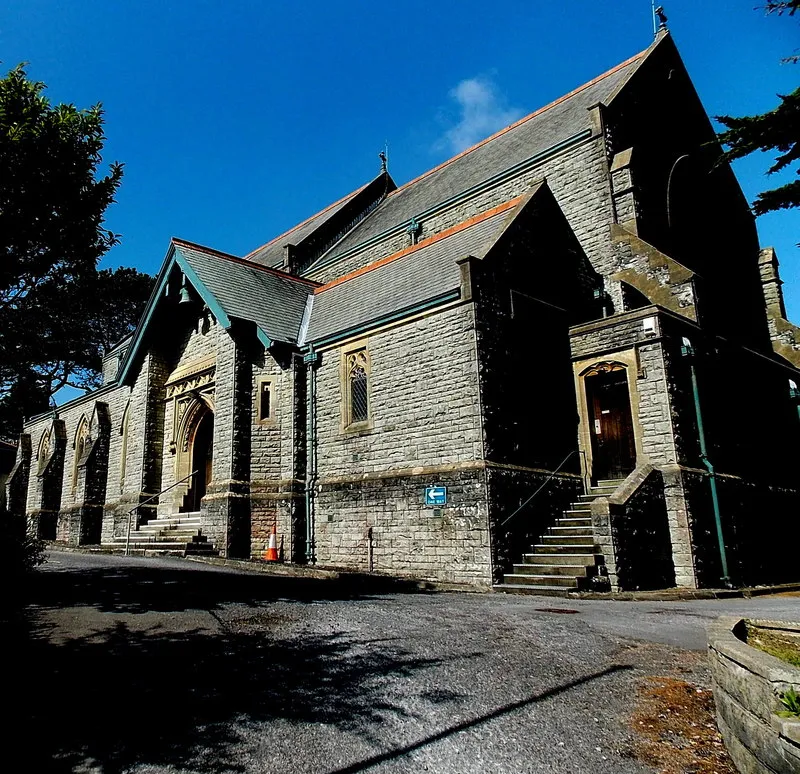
x: 272, y: 549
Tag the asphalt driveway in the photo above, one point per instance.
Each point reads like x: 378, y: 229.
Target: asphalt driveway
x: 153, y: 665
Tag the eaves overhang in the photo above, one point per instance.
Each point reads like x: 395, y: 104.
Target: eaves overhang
x: 172, y: 259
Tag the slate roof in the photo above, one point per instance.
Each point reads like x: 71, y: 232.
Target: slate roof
x: 520, y: 141
x: 404, y: 280
x: 290, y: 309
x: 271, y: 253
x: 273, y: 300
x: 333, y: 220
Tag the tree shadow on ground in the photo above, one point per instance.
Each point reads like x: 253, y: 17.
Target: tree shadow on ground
x: 131, y: 588
x: 131, y: 693
x: 121, y: 697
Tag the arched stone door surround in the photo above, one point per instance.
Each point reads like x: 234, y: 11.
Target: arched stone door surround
x: 195, y: 451
x: 608, y: 402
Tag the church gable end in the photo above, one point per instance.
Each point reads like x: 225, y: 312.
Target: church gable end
x: 495, y: 374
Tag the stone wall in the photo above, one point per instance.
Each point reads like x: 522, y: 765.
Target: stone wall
x: 271, y: 459
x: 81, y: 523
x: 634, y: 340
x: 424, y: 429
x: 515, y: 526
x: 640, y: 531
x: 19, y: 478
x: 747, y: 684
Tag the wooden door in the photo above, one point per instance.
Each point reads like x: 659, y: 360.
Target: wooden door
x: 202, y: 459
x: 613, y: 446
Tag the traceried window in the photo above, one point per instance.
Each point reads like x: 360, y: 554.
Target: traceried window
x: 123, y: 457
x: 81, y: 439
x: 44, y: 448
x: 357, y: 387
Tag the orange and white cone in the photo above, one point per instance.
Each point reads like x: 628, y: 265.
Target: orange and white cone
x: 272, y: 548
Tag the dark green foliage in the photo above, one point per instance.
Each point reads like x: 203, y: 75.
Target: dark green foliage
x: 779, y: 6
x: 777, y: 130
x: 57, y: 312
x: 791, y: 701
x: 21, y: 554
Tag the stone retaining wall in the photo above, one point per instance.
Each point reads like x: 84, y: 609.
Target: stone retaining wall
x: 747, y: 683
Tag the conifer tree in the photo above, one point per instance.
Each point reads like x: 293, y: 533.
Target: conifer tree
x: 777, y: 130
x: 57, y: 311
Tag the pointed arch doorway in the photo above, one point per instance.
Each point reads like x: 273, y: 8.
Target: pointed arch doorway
x: 201, y: 454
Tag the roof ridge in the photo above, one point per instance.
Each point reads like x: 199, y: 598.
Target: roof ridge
x: 311, y: 217
x: 465, y: 224
x: 522, y: 120
x: 245, y: 262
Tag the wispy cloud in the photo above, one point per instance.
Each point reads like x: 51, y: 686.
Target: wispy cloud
x: 482, y: 110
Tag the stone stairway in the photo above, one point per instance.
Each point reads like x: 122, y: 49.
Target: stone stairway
x: 566, y: 557
x: 177, y: 535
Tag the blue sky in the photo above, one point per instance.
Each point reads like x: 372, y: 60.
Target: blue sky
x: 235, y: 120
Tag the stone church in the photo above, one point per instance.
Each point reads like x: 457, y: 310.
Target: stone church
x: 557, y: 360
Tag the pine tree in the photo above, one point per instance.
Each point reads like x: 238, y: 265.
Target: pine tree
x: 776, y: 130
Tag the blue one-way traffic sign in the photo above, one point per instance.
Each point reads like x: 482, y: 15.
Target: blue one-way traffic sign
x: 436, y: 495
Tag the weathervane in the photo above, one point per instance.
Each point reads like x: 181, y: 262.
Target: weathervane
x: 384, y: 157
x: 662, y: 20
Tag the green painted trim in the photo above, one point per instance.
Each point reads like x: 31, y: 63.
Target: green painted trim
x: 263, y: 338
x: 138, y: 334
x: 172, y: 258
x: 208, y: 297
x: 452, y: 295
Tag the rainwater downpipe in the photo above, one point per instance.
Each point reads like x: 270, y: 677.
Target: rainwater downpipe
x: 311, y: 359
x: 688, y: 352
x: 794, y: 394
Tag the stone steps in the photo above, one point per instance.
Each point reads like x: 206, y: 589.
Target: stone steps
x: 566, y: 556
x: 561, y: 558
x: 178, y: 535
x: 566, y: 540
x: 576, y: 521
x: 579, y: 530
x: 574, y: 570
x: 561, y: 581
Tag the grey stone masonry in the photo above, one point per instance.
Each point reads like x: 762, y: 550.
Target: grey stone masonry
x: 81, y: 523
x: 464, y: 332
x: 747, y: 686
x: 784, y: 335
x: 19, y: 477
x: 424, y: 429
x: 44, y: 498
x: 637, y: 335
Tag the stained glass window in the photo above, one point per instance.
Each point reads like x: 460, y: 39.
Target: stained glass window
x: 357, y: 386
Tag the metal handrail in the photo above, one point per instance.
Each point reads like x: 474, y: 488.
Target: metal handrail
x: 144, y: 502
x: 546, y: 482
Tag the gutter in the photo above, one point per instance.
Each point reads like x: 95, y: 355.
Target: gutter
x: 443, y: 298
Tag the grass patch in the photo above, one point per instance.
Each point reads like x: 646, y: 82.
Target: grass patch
x: 786, y: 647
